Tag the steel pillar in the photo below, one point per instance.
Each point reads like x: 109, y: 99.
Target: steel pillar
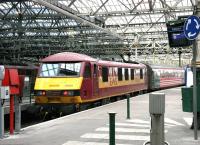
x: 1, y: 118
x: 17, y: 114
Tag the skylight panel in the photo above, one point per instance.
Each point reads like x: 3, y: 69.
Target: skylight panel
x: 113, y: 8
x: 144, y: 1
x: 120, y: 8
x: 164, y: 28
x: 133, y: 29
x: 74, y: 8
x: 85, y: 10
x: 146, y: 6
x: 126, y: 4
x: 157, y: 18
x: 109, y: 8
x: 1, y: 7
x: 183, y: 14
x: 129, y: 18
x: 119, y: 21
x: 109, y: 21
x: 113, y: 5
x: 103, y: 9
x: 145, y: 19
x: 140, y: 7
x: 158, y: 5
x: 6, y: 5
x: 154, y: 29
x: 94, y: 8
x: 66, y: 3
x: 110, y: 3
x: 184, y: 3
x: 140, y: 19
x: 99, y: 2
x: 81, y: 7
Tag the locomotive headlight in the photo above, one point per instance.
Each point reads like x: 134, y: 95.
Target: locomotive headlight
x: 68, y: 93
x: 71, y: 93
x: 65, y: 93
x: 40, y: 93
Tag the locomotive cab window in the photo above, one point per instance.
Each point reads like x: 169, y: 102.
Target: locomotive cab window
x: 59, y: 69
x: 87, y: 73
x: 126, y: 74
x: 141, y: 73
x: 105, y: 74
x: 120, y: 74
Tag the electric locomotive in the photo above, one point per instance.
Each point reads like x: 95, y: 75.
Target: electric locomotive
x: 72, y: 78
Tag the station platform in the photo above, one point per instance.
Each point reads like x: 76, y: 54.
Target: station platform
x: 90, y: 127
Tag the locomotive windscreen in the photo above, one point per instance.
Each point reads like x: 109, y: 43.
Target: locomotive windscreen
x: 60, y: 69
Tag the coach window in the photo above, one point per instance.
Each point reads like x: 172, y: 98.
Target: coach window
x: 132, y: 74
x: 141, y: 73
x: 126, y: 74
x: 95, y: 69
x: 105, y: 74
x: 119, y: 74
x: 87, y: 73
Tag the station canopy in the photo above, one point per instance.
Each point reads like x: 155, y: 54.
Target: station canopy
x: 31, y: 30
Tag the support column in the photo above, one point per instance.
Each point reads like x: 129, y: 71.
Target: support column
x: 157, y: 130
x: 2, y: 72
x: 157, y: 111
x: 17, y: 114
x: 1, y: 119
x: 196, y: 75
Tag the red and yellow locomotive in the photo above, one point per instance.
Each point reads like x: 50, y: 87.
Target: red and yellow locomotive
x: 72, y: 78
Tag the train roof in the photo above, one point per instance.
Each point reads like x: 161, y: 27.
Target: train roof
x: 120, y: 64
x: 76, y: 57
x: 68, y: 56
x: 165, y: 67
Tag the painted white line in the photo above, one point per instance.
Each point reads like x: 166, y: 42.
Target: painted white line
x: 167, y: 120
x: 147, y: 122
x: 188, y: 120
x: 106, y: 129
x: 87, y: 143
x: 130, y: 124
x: 138, y: 121
x: 119, y: 137
x: 128, y: 130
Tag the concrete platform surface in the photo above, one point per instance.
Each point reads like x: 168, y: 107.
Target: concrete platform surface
x: 90, y: 127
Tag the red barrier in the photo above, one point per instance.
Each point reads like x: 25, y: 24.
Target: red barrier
x: 11, y: 79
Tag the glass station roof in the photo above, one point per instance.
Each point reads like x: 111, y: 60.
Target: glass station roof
x: 87, y: 26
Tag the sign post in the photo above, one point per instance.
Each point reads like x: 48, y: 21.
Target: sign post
x: 191, y: 31
x: 2, y: 73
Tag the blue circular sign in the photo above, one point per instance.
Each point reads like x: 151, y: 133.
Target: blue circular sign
x: 191, y: 27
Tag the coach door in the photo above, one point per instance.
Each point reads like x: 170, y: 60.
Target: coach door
x: 95, y: 79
